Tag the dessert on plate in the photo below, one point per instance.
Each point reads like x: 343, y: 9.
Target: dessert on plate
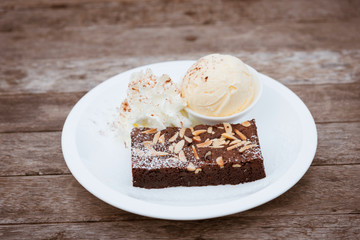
x: 169, y: 149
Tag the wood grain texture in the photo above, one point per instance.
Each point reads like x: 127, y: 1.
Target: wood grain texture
x: 56, y: 75
x: 39, y: 153
x: 239, y: 227
x: 51, y: 199
x: 47, y: 112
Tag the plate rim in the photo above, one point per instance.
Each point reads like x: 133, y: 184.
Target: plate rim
x: 173, y: 212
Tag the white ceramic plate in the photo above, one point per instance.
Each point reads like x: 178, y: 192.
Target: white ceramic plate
x: 101, y: 164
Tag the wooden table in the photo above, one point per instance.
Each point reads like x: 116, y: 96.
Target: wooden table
x: 53, y: 52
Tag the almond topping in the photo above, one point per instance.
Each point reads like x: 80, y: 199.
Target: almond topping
x: 191, y: 129
x: 197, y: 139
x: 173, y: 138
x: 139, y: 152
x: 228, y: 128
x: 220, y: 162
x: 153, y: 130
x: 228, y: 136
x: 247, y: 147
x: 191, y: 167
x: 198, y: 170
x: 159, y: 154
x: 148, y: 144
x: 235, y: 146
x: 195, y: 152
x: 182, y: 132
x: 221, y: 127
x: 179, y: 146
x: 182, y: 156
x: 236, y: 165
x: 188, y: 139
x: 204, y: 144
x: 198, y: 132
x: 162, y: 139
x: 240, y: 134
x: 246, y: 124
x: 209, y: 130
x: 207, y: 155
x: 156, y: 137
x: 171, y: 148
x: 235, y: 141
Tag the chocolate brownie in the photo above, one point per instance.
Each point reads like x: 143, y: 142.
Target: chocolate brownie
x: 203, y: 155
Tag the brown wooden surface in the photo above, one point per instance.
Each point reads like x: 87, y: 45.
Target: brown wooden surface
x: 53, y: 51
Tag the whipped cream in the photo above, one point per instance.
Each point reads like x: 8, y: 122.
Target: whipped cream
x: 153, y: 102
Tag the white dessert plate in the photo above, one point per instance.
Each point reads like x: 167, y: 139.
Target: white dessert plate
x: 101, y: 164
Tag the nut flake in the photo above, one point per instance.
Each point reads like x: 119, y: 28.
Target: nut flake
x: 228, y: 136
x: 197, y: 139
x: 182, y: 132
x: 171, y: 148
x: 182, y: 156
x: 195, y: 152
x: 228, y: 128
x: 235, y: 146
x: 153, y: 130
x: 191, y: 167
x: 156, y: 137
x: 158, y: 153
x: 148, y: 144
x: 209, y: 130
x: 204, y: 144
x: 198, y: 132
x: 198, y: 170
x: 240, y: 134
x: 207, y: 155
x: 173, y: 138
x: 179, y: 146
x: 220, y: 162
x: 189, y: 140
x: 236, y: 165
x: 162, y: 139
x: 246, y: 124
x: 246, y: 147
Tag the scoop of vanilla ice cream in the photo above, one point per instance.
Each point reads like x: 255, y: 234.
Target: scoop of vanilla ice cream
x: 218, y: 86
x: 151, y: 102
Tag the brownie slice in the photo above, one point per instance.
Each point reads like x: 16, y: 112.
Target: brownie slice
x: 199, y: 156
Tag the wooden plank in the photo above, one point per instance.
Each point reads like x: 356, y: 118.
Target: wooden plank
x: 39, y: 153
x: 31, y: 154
x: 114, y: 41
x: 64, y: 13
x: 50, y: 199
x: 269, y: 227
x: 56, y: 75
x: 47, y: 112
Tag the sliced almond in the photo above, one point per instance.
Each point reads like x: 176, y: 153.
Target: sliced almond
x: 240, y: 134
x: 159, y: 154
x: 228, y: 136
x: 207, y: 155
x: 179, y: 146
x: 220, y: 162
x: 191, y: 129
x: 236, y: 165
x: 246, y: 147
x: 189, y: 140
x: 197, y: 139
x: 182, y: 132
x: 182, y: 156
x: 139, y: 152
x: 162, y: 139
x: 195, y: 152
x: 204, y: 144
x: 228, y: 128
x: 246, y: 124
x: 148, y: 144
x: 235, y: 146
x: 198, y: 170
x: 209, y: 130
x: 235, y: 142
x: 173, y: 138
x: 191, y: 167
x: 156, y: 137
x: 221, y: 127
x: 171, y: 148
x: 153, y: 130
x: 198, y: 132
